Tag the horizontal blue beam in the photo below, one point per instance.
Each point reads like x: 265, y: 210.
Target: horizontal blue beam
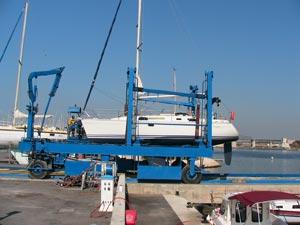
x: 106, y: 149
x: 164, y: 92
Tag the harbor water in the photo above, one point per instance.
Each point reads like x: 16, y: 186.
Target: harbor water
x: 250, y: 161
x: 260, y: 161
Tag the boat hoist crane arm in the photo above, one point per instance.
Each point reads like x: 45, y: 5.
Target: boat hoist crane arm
x: 32, y: 93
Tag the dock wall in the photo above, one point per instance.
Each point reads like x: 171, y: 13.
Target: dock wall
x: 205, y: 193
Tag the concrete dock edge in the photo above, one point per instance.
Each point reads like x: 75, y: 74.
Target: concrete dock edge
x: 118, y: 214
x: 204, y: 193
x: 186, y: 215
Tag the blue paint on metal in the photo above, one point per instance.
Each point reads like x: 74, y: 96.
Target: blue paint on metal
x: 130, y: 103
x: 105, y: 157
x: 209, y: 77
x: 164, y: 92
x: 159, y: 173
x: 77, y: 148
x: 76, y: 167
x: 192, y: 168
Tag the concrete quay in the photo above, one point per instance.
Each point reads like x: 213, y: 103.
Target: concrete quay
x: 39, y: 202
x: 35, y: 203
x: 43, y: 202
x: 201, y: 193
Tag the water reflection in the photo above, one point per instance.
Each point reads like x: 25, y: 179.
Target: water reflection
x: 261, y: 161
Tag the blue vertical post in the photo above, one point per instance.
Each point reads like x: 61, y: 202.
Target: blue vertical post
x: 194, y: 90
x: 209, y: 77
x: 130, y: 94
x: 192, y: 167
x: 30, y: 121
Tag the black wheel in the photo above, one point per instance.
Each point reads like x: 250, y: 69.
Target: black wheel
x: 187, y: 178
x: 38, y: 169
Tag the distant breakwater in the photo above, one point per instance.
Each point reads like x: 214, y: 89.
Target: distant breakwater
x: 269, y: 144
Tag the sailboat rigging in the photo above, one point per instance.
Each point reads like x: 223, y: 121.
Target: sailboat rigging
x: 102, y: 55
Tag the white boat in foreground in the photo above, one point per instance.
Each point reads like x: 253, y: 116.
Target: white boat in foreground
x: 249, y: 208
x: 161, y: 129
x: 286, y: 210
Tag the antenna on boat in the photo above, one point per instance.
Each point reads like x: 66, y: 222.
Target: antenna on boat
x: 20, y: 62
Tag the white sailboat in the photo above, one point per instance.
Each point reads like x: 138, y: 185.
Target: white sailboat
x: 162, y: 128
x: 11, y: 134
x: 178, y: 128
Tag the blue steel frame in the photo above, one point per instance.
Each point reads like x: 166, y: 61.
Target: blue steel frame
x: 202, y: 148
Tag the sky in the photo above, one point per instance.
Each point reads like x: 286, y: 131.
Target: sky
x: 252, y: 46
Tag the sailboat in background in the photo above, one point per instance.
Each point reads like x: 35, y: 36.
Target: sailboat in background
x: 11, y: 134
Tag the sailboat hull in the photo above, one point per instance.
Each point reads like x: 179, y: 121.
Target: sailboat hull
x: 10, y: 135
x: 166, y: 130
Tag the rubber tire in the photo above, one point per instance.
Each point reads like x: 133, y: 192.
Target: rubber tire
x: 40, y: 174
x: 187, y: 179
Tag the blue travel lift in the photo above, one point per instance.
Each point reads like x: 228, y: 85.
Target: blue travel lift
x: 47, y: 156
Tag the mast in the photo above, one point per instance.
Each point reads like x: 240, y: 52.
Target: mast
x: 174, y: 88
x: 20, y: 62
x: 138, y: 41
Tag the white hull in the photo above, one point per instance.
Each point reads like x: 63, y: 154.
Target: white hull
x: 290, y: 219
x: 286, y: 210
x: 164, y: 126
x: 10, y: 135
x: 272, y: 220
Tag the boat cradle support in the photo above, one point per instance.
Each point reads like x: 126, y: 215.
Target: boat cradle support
x: 56, y: 152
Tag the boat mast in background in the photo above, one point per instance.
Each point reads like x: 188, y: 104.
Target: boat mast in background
x: 138, y: 44
x: 20, y: 63
x: 174, y: 88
